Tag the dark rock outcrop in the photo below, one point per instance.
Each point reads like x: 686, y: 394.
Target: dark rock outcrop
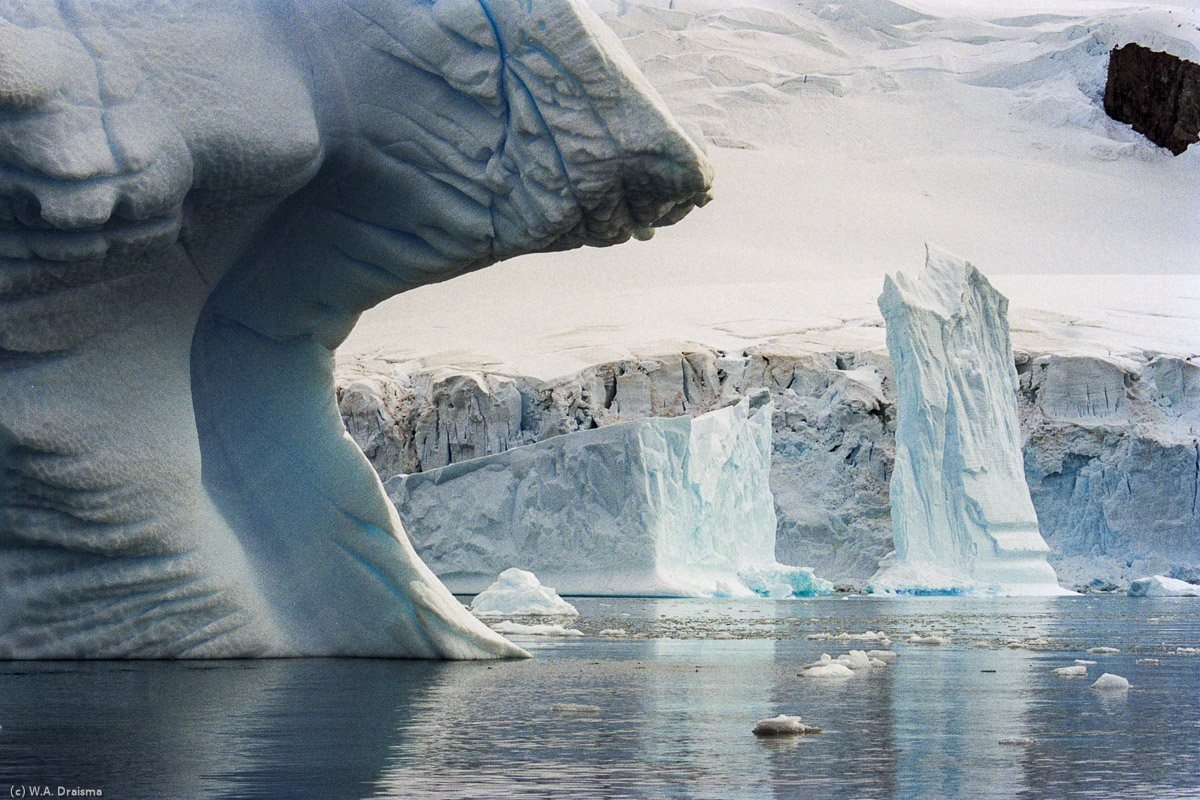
x: 1157, y: 93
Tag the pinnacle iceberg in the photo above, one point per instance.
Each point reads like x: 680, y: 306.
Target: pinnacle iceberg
x: 962, y: 518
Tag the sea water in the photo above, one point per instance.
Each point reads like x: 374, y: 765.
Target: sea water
x: 664, y: 709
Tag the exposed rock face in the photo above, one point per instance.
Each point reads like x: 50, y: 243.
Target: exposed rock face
x: 1157, y: 93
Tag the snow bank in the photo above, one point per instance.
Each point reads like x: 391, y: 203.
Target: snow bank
x: 1159, y: 586
x: 519, y: 593
x: 656, y: 507
x: 961, y: 511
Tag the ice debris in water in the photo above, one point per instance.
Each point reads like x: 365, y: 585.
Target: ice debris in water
x: 886, y: 656
x: 517, y: 592
x: 537, y: 629
x: 1075, y: 671
x: 843, y: 666
x: 1020, y: 741
x: 1103, y: 651
x: 1161, y: 586
x: 1110, y: 683
x: 782, y: 725
x: 931, y: 638
x: 614, y: 633
x: 1084, y: 662
x: 1148, y: 662
x: 962, y: 517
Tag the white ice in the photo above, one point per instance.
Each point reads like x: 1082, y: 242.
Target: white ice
x: 782, y: 725
x: 519, y: 593
x: 1073, y: 671
x: 1161, y: 586
x: 1110, y: 683
x: 962, y: 518
x: 656, y: 507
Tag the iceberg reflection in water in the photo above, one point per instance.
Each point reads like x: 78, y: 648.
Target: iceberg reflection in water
x: 663, y: 710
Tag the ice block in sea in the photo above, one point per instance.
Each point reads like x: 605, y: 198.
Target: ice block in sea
x: 653, y: 507
x: 962, y: 519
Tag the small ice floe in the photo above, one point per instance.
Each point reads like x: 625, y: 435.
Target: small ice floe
x: 843, y: 666
x: 1103, y: 651
x: 1162, y: 586
x: 1036, y: 643
x: 868, y: 636
x: 931, y: 638
x: 1186, y: 651
x: 582, y: 709
x: 827, y: 668
x: 1110, y: 683
x: 1075, y: 671
x: 820, y: 637
x: 1019, y: 741
x: 536, y: 629
x: 1148, y: 662
x: 722, y: 635
x: 1085, y: 662
x: 886, y: 656
x: 519, y: 593
x: 783, y: 725
x: 613, y: 633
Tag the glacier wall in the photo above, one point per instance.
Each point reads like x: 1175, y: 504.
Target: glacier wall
x: 962, y: 517
x: 653, y: 507
x: 1109, y: 442
x: 197, y: 200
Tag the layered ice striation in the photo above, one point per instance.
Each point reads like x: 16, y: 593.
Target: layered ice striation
x: 654, y: 507
x: 197, y: 200
x: 962, y: 518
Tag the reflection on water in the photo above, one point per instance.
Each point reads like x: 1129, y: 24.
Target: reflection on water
x: 665, y: 712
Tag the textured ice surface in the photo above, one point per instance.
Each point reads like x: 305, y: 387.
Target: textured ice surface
x: 1111, y: 683
x: 666, y: 507
x: 1161, y: 586
x: 519, y: 593
x: 197, y: 200
x: 782, y: 725
x: 962, y: 518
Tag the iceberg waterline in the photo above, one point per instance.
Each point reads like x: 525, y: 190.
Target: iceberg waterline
x: 655, y: 507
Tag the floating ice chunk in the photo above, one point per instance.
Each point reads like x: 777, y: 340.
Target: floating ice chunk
x: 782, y: 725
x: 1075, y: 671
x: 932, y: 638
x: 1103, y: 651
x: 1187, y: 651
x: 831, y: 669
x: 886, y: 656
x: 820, y: 637
x: 1148, y: 662
x: 614, y: 633
x: 1084, y: 662
x: 1161, y: 586
x: 536, y: 629
x: 1110, y: 683
x: 574, y: 708
x: 519, y: 593
x: 962, y: 517
x: 1019, y: 741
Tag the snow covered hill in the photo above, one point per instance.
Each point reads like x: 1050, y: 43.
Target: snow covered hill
x: 845, y: 135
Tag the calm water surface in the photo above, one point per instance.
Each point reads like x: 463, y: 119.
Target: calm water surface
x: 674, y: 702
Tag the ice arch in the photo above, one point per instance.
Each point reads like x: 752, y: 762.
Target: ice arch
x: 196, y: 202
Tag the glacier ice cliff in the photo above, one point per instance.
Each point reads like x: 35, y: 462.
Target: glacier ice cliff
x: 196, y: 202
x: 1109, y: 441
x: 962, y: 517
x: 654, y: 507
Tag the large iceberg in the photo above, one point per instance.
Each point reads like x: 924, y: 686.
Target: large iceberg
x: 196, y: 203
x: 962, y: 518
x: 655, y: 507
